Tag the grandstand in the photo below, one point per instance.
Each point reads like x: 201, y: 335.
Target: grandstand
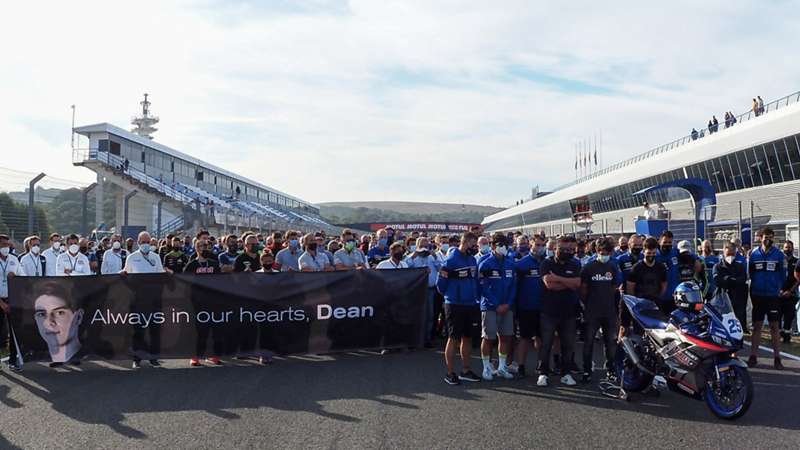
x: 752, y: 165
x: 164, y: 190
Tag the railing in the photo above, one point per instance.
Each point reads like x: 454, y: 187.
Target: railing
x: 771, y: 106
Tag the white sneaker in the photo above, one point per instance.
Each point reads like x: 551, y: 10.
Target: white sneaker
x: 487, y: 373
x: 514, y: 367
x: 503, y: 372
x: 568, y: 380
x: 542, y: 381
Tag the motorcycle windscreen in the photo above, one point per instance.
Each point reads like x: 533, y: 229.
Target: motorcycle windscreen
x: 721, y: 304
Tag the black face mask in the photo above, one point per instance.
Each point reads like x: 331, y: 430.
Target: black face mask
x: 788, y: 253
x: 666, y: 248
x: 397, y: 255
x: 767, y: 243
x: 472, y: 251
x: 623, y: 248
x: 424, y: 253
x: 312, y: 246
x: 650, y: 259
x: 233, y: 248
x: 565, y: 256
x: 207, y: 254
x: 84, y: 250
x: 636, y: 251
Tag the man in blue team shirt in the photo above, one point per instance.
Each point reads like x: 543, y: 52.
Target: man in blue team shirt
x: 627, y: 260
x: 379, y: 251
x: 622, y: 247
x: 668, y: 256
x: 529, y: 303
x: 458, y: 283
x: 767, y: 275
x: 561, y: 277
x: 709, y: 260
x: 498, y: 290
x: 228, y: 258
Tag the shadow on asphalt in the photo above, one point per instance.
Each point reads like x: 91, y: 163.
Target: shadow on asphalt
x: 306, y: 384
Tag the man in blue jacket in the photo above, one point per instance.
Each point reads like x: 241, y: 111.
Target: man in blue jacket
x: 529, y: 305
x: 498, y: 289
x: 668, y: 256
x: 767, y: 275
x: 627, y: 260
x: 458, y: 283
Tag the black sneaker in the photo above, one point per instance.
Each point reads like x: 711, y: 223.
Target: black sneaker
x: 521, y: 372
x: 469, y: 376
x: 586, y: 377
x: 452, y: 379
x: 155, y: 363
x: 752, y: 361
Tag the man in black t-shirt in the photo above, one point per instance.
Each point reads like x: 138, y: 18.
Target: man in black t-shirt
x: 648, y: 279
x: 248, y: 261
x: 204, y: 263
x: 600, y: 282
x: 561, y: 278
x: 789, y: 298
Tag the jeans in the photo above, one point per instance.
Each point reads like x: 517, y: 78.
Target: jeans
x: 609, y: 327
x: 565, y: 326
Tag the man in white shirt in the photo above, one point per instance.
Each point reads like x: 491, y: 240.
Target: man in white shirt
x: 51, y: 254
x: 72, y: 262
x: 9, y: 268
x: 313, y: 260
x: 648, y: 213
x: 114, y: 258
x: 32, y: 262
x: 396, y: 251
x: 144, y: 260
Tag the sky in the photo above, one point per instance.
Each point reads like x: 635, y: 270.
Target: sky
x: 444, y: 101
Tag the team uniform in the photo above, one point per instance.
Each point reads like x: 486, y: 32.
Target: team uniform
x: 767, y: 276
x: 77, y: 264
x: 529, y: 297
x: 601, y: 280
x: 558, y: 314
x: 33, y: 265
x: 461, y: 292
x: 498, y: 287
x: 113, y: 261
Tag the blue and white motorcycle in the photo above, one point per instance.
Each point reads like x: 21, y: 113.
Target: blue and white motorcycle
x: 692, y: 351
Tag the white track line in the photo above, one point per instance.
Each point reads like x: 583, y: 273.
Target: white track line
x: 769, y: 350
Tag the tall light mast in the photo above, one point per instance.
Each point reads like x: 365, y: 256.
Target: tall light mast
x: 143, y: 124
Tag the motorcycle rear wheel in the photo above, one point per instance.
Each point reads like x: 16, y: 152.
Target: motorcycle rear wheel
x: 717, y: 396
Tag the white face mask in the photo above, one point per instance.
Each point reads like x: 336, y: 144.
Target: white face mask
x: 144, y: 248
x: 501, y: 250
x: 116, y: 245
x: 56, y: 246
x: 603, y: 258
x: 35, y: 249
x: 5, y: 251
x: 729, y: 259
x: 74, y: 249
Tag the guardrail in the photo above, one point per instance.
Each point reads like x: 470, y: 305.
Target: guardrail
x: 703, y: 132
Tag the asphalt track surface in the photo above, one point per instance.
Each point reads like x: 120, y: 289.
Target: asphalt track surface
x: 365, y: 400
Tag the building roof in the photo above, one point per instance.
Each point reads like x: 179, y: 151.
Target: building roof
x: 769, y: 127
x: 111, y: 129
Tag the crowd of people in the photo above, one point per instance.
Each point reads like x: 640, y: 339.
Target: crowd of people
x: 507, y: 291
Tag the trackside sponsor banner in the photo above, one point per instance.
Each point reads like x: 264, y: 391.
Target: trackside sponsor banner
x: 149, y: 316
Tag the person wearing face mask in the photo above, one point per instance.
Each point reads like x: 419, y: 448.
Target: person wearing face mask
x: 529, y: 303
x: 145, y: 260
x: 789, y: 297
x: 73, y: 262
x: 522, y: 249
x: 100, y: 251
x: 648, y: 280
x: 289, y: 258
x: 397, y: 251
x: 114, y: 258
x: 498, y: 285
x: 458, y: 283
x: 561, y: 278
x: 623, y: 244
x: 768, y: 272
x: 484, y: 249
x: 33, y: 263
x: 51, y: 254
x: 539, y: 250
x: 175, y: 260
x: 249, y: 260
x: 422, y: 258
x: 709, y: 260
x: 9, y: 268
x: 313, y: 260
x: 626, y: 261
x: 380, y: 251
x: 600, y: 281
x: 349, y: 257
x: 204, y: 263
x: 550, y: 248
x: 321, y: 247
x: 129, y: 245
x: 668, y: 255
x: 228, y: 257
x: 730, y: 276
x: 690, y: 268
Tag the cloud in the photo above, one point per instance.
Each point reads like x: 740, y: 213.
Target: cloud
x: 410, y: 100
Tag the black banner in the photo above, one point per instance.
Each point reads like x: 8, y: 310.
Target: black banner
x: 246, y: 314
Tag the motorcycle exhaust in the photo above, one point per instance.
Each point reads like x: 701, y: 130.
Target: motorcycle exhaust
x: 627, y: 345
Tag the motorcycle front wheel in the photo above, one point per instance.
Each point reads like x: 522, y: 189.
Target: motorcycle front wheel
x: 633, y: 378
x: 731, y: 396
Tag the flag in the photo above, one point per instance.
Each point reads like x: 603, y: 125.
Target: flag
x: 595, y: 156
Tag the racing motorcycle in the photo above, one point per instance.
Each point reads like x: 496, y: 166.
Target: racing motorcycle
x: 692, y: 351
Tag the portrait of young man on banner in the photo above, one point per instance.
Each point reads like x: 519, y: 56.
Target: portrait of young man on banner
x: 58, y: 319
